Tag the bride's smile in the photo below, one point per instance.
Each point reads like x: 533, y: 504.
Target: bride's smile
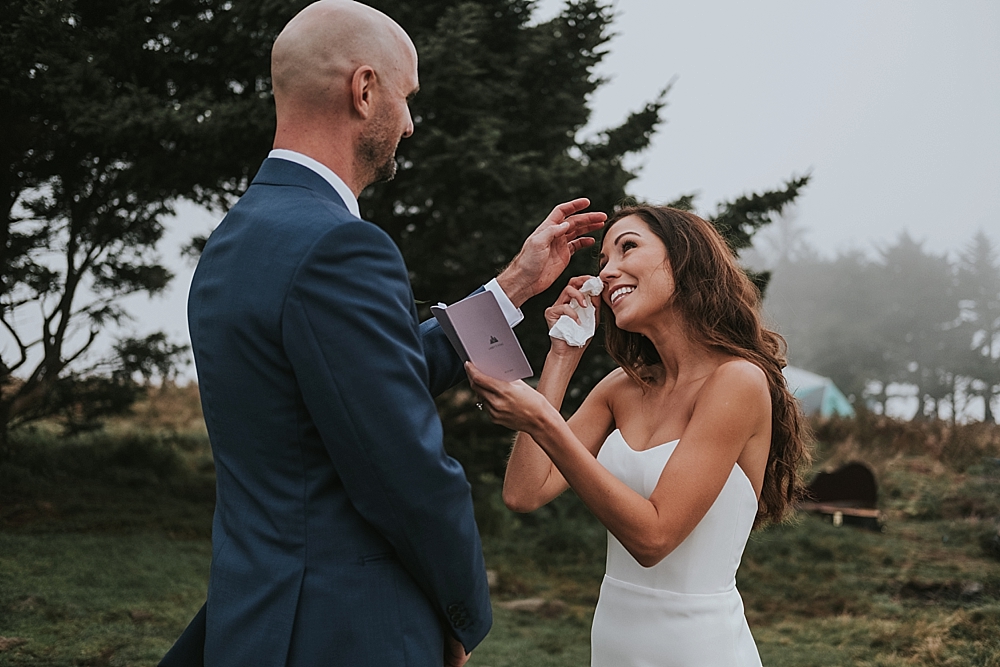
x: 636, y: 273
x: 620, y: 293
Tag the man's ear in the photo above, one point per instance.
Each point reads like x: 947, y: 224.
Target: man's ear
x: 363, y: 90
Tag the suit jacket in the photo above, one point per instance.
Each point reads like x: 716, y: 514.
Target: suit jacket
x: 343, y: 533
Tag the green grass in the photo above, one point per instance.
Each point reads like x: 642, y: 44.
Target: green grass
x: 100, y: 599
x: 104, y: 556
x: 921, y: 593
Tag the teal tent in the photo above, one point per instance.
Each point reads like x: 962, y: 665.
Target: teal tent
x: 816, y: 394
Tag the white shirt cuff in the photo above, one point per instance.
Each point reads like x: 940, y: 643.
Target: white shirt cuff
x: 513, y: 315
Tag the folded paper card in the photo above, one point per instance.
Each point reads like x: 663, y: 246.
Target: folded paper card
x: 479, y: 333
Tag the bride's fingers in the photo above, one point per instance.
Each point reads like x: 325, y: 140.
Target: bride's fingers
x: 482, y: 384
x: 473, y: 373
x: 555, y: 312
x: 571, y: 293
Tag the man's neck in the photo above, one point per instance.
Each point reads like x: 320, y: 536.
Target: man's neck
x: 335, y: 153
x: 336, y: 182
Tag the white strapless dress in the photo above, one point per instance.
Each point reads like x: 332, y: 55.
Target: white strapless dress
x: 684, y: 611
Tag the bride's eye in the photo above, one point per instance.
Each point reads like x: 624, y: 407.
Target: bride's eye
x: 628, y: 245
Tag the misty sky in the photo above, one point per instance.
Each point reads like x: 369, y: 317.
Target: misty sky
x: 892, y: 106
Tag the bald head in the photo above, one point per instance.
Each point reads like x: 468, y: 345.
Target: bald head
x: 320, y: 49
x: 343, y: 74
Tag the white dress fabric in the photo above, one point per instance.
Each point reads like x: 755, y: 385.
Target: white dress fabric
x: 684, y: 611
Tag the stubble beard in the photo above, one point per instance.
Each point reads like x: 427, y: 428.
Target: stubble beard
x: 376, y: 151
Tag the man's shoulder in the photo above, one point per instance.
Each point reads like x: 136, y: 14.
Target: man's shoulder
x: 291, y: 200
x: 283, y: 192
x: 286, y: 217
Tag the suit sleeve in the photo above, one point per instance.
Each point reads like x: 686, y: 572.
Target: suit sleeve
x: 444, y: 366
x: 351, y: 333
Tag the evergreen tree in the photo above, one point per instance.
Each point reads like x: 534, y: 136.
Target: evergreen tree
x: 908, y: 317
x: 116, y: 109
x: 979, y: 289
x: 498, y: 140
x: 111, y: 111
x: 916, y: 290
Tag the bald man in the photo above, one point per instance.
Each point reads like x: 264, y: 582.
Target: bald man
x: 343, y: 533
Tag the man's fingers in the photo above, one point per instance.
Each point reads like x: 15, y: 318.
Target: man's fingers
x: 547, y: 236
x: 589, y: 218
x: 566, y: 209
x: 581, y: 243
x: 573, y: 227
x: 569, y: 212
x: 588, y: 228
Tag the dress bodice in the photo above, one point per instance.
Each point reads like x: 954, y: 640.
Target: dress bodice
x: 707, y: 560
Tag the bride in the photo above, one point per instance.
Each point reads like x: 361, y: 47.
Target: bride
x: 680, y: 452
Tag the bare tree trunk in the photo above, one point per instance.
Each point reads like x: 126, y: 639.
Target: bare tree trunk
x: 5, y: 448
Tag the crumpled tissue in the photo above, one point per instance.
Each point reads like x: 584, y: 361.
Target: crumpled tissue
x: 566, y: 327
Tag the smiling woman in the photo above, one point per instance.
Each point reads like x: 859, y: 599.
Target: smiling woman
x: 679, y: 453
x: 711, y: 296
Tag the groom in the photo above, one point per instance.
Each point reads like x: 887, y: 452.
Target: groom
x: 343, y: 533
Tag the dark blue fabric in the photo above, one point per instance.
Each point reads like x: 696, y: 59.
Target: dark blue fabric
x: 343, y: 533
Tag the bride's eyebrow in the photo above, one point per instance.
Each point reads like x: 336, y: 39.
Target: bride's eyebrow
x: 626, y: 233
x: 602, y: 258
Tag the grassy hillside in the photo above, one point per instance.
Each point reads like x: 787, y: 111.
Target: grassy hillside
x: 104, y: 552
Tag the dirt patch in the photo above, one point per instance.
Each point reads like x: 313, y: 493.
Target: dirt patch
x: 8, y: 643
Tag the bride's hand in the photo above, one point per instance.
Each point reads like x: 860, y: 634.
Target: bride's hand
x: 562, y: 307
x: 512, y: 404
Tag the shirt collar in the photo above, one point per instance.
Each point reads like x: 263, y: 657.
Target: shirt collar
x: 335, y: 181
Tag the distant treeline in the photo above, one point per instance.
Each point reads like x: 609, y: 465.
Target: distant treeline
x: 906, y: 316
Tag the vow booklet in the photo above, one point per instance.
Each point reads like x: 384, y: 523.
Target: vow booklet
x: 479, y: 333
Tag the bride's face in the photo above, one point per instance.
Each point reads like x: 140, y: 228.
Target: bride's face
x: 638, y: 282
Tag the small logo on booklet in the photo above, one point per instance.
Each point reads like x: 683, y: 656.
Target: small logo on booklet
x: 493, y: 339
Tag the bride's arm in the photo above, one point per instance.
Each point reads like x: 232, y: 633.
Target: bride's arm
x: 732, y: 410
x: 531, y: 479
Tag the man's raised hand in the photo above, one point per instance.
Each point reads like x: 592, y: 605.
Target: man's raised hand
x: 546, y: 252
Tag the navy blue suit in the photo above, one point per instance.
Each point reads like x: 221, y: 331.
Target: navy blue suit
x: 343, y: 533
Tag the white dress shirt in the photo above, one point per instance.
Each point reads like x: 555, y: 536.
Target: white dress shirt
x: 335, y: 181
x: 513, y: 314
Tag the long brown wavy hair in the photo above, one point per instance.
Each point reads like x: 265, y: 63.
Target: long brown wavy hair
x: 720, y: 307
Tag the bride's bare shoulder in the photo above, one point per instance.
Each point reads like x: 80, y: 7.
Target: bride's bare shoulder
x: 741, y: 370
x: 738, y: 378
x: 617, y: 383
